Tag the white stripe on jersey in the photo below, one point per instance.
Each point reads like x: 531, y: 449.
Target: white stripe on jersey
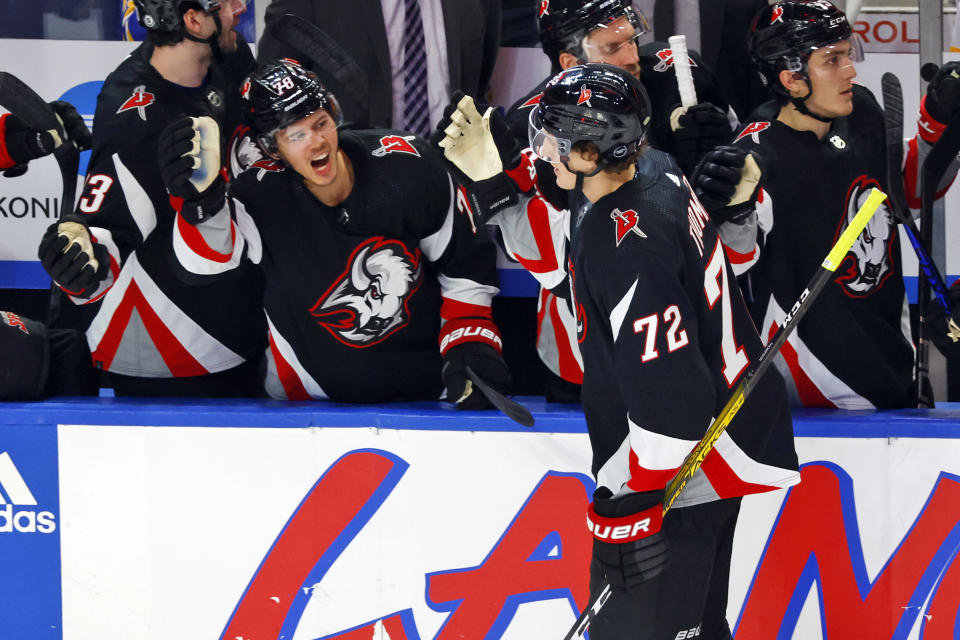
x: 248, y: 228
x: 434, y: 245
x: 287, y: 353
x: 464, y: 290
x: 655, y: 451
x: 138, y: 202
x: 619, y: 311
x: 218, y: 230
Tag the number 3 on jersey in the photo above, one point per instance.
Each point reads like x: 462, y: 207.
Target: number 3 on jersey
x: 717, y: 289
x: 97, y: 188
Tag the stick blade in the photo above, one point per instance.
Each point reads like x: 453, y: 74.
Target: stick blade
x: 513, y: 410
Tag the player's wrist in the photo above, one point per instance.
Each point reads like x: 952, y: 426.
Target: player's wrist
x: 206, y: 204
x: 626, y: 519
x: 932, y: 123
x: 491, y: 196
x: 460, y: 331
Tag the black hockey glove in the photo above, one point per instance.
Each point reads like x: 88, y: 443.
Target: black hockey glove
x: 943, y: 93
x: 188, y: 152
x: 695, y: 132
x: 24, y: 144
x: 945, y: 330
x: 727, y: 181
x: 72, y: 259
x: 473, y: 342
x: 627, y: 540
x: 73, y: 124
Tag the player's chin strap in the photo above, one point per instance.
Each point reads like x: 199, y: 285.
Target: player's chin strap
x: 801, y: 103
x: 213, y: 40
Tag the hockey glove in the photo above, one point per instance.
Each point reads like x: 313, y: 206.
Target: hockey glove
x: 76, y: 263
x: 73, y: 124
x: 727, y: 182
x: 627, y: 541
x: 697, y: 130
x: 188, y: 152
x: 473, y: 342
x: 20, y: 144
x: 943, y: 93
x: 480, y: 147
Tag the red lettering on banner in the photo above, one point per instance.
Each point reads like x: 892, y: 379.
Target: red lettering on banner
x: 330, y: 515
x: 393, y: 628
x: 892, y: 32
x: 906, y: 36
x: 816, y: 538
x: 512, y: 573
x: 862, y: 29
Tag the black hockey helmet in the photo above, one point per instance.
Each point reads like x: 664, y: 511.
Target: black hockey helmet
x: 595, y: 102
x: 565, y: 23
x: 165, y: 15
x: 783, y: 35
x: 280, y: 92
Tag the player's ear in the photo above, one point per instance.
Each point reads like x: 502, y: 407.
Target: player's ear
x: 567, y: 60
x: 793, y: 82
x: 193, y: 22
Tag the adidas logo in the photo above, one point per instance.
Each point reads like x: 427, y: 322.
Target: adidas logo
x: 15, y: 492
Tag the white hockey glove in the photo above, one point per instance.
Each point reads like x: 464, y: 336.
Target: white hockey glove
x: 480, y: 147
x: 188, y: 153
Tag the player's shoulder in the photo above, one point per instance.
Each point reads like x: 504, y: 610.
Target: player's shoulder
x: 389, y: 153
x: 261, y: 180
x: 760, y: 128
x: 131, y: 97
x: 657, y: 57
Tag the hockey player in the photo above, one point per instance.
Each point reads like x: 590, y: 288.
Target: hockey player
x: 368, y: 267
x: 573, y: 32
x: 854, y: 349
x: 665, y: 335
x: 39, y: 362
x: 153, y: 334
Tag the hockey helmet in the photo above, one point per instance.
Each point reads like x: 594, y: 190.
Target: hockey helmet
x: 279, y: 93
x: 164, y: 15
x: 783, y: 35
x: 564, y: 24
x: 595, y: 102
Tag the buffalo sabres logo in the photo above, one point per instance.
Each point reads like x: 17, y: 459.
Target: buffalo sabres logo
x: 370, y: 300
x: 140, y: 100
x: 777, y: 15
x: 626, y: 222
x: 584, y: 97
x: 665, y: 60
x: 395, y: 144
x: 544, y: 8
x: 869, y: 258
x: 244, y: 151
x: 753, y: 130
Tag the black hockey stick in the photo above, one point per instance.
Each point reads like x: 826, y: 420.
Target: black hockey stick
x: 327, y: 59
x: 747, y: 383
x: 893, y: 117
x: 513, y: 410
x: 23, y: 102
x: 931, y: 174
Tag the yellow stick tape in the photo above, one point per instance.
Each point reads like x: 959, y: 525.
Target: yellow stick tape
x: 853, y: 230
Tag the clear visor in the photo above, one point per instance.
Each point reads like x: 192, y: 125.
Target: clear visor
x: 608, y: 39
x: 303, y: 132
x: 840, y: 54
x: 230, y: 6
x: 545, y: 145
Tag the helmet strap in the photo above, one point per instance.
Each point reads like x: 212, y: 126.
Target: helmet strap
x: 213, y: 40
x: 801, y: 103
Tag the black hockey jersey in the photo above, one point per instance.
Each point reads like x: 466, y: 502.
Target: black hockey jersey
x: 665, y: 336
x: 853, y: 349
x: 355, y: 293
x: 540, y: 245
x: 143, y: 320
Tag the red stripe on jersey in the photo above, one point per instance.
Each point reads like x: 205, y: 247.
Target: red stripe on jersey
x: 195, y: 240
x: 725, y: 481
x: 810, y: 395
x: 539, y: 219
x: 911, y: 174
x: 735, y: 257
x: 177, y: 358
x: 292, y: 385
x: 5, y: 160
x: 569, y: 367
x: 451, y: 309
x: 642, y: 479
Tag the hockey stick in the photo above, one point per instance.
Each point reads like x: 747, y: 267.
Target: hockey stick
x: 327, y: 59
x: 513, y: 410
x: 681, y: 65
x: 934, y: 167
x: 23, y: 102
x: 893, y: 117
x: 747, y: 383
